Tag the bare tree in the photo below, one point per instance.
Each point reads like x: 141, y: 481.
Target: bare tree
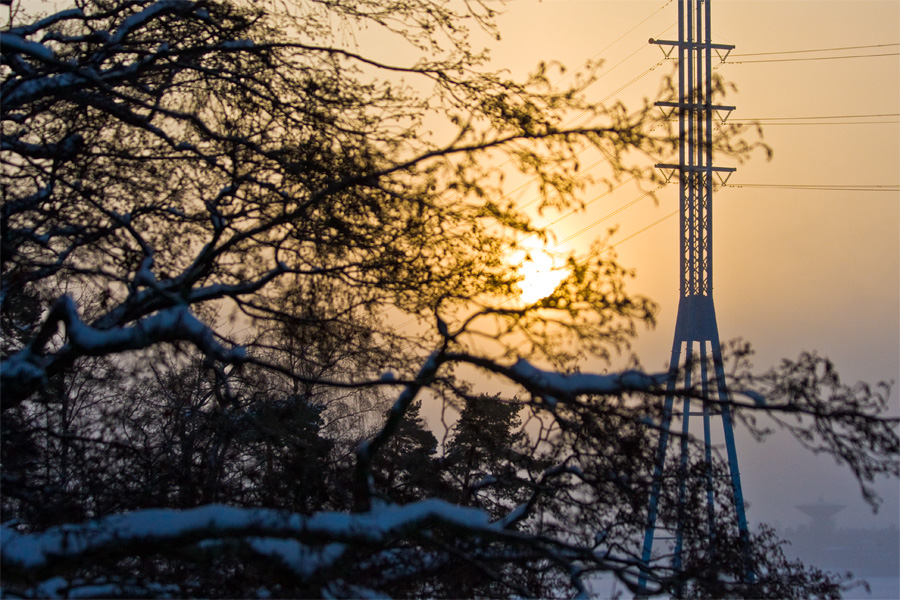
x: 212, y: 210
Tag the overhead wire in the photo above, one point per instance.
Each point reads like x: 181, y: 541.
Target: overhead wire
x: 824, y: 117
x: 640, y: 231
x: 607, y: 158
x: 826, y: 120
x: 817, y: 50
x: 774, y: 60
x: 801, y: 120
x: 621, y: 37
x: 855, y: 188
x: 607, y: 216
x: 605, y: 99
x: 608, y: 96
x: 821, y: 187
x: 745, y: 122
x: 839, y: 187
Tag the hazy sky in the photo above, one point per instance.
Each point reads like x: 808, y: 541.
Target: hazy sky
x: 794, y: 269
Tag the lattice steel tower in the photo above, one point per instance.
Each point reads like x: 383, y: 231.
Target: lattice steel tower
x: 696, y: 332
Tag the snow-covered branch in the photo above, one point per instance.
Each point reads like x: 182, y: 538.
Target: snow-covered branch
x: 555, y: 385
x: 147, y: 532
x: 26, y: 370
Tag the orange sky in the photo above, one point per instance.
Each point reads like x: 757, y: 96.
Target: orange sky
x: 794, y: 269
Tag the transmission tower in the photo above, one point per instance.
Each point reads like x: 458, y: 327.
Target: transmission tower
x: 696, y: 331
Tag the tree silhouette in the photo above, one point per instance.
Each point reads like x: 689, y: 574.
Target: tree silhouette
x: 219, y: 219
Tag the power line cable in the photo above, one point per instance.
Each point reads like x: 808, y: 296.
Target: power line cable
x: 618, y: 64
x: 621, y: 37
x: 607, y: 216
x: 818, y: 50
x: 639, y: 232
x: 773, y: 60
x: 821, y: 187
x: 782, y: 120
x: 855, y: 188
x: 743, y: 122
x: 635, y: 80
x: 578, y: 210
x: 573, y: 119
x: 827, y: 120
x: 582, y: 113
x: 816, y: 187
x: 823, y: 117
x: 851, y: 188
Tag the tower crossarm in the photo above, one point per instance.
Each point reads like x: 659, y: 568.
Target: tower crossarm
x: 703, y: 168
x: 689, y: 44
x: 692, y: 105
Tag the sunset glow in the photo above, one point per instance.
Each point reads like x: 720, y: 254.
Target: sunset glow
x: 540, y: 276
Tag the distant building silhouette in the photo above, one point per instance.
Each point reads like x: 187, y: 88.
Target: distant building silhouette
x: 864, y: 552
x: 822, y: 514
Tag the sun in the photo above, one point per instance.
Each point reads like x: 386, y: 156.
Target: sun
x: 540, y: 276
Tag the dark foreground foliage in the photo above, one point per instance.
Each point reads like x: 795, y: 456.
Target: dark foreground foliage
x: 222, y: 219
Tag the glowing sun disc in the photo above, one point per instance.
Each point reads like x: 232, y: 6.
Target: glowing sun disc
x: 540, y: 278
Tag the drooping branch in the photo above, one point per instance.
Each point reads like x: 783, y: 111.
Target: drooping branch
x: 148, y: 532
x: 24, y: 372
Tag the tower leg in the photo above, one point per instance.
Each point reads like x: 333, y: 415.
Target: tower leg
x: 656, y: 486
x: 683, y: 456
x: 707, y: 448
x: 721, y: 392
x: 732, y: 456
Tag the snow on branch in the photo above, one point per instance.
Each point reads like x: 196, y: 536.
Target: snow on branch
x: 15, y: 43
x: 160, y: 530
x: 65, y: 76
x: 31, y: 28
x: 575, y: 384
x: 151, y: 12
x: 23, y: 372
x: 566, y: 385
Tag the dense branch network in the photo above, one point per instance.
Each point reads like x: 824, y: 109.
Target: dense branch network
x: 214, y: 215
